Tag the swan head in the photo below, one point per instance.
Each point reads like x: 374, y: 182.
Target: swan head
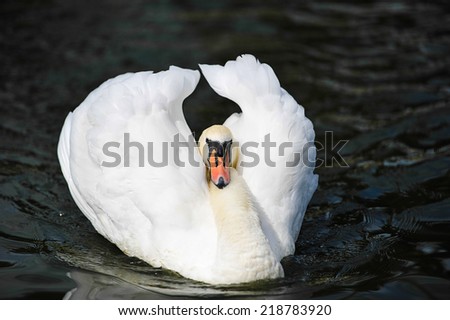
x: 215, y: 147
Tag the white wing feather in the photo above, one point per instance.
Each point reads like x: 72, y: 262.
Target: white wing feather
x: 142, y: 214
x: 283, y: 192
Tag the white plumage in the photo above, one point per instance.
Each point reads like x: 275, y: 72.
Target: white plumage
x: 170, y: 216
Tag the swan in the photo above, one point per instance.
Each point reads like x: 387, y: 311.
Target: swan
x: 224, y: 210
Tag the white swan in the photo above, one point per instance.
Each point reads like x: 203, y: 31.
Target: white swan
x: 196, y: 215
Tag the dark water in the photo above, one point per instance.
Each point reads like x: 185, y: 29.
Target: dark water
x: 375, y: 73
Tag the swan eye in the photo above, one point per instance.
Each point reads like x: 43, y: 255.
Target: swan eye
x: 219, y: 149
x: 216, y: 147
x: 227, y: 144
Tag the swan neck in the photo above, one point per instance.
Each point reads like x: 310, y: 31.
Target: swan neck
x: 241, y: 242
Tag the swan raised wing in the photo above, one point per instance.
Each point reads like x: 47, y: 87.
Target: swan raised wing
x: 276, y: 143
x: 159, y: 212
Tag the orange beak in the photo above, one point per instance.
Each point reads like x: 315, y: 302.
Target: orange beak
x: 220, y: 170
